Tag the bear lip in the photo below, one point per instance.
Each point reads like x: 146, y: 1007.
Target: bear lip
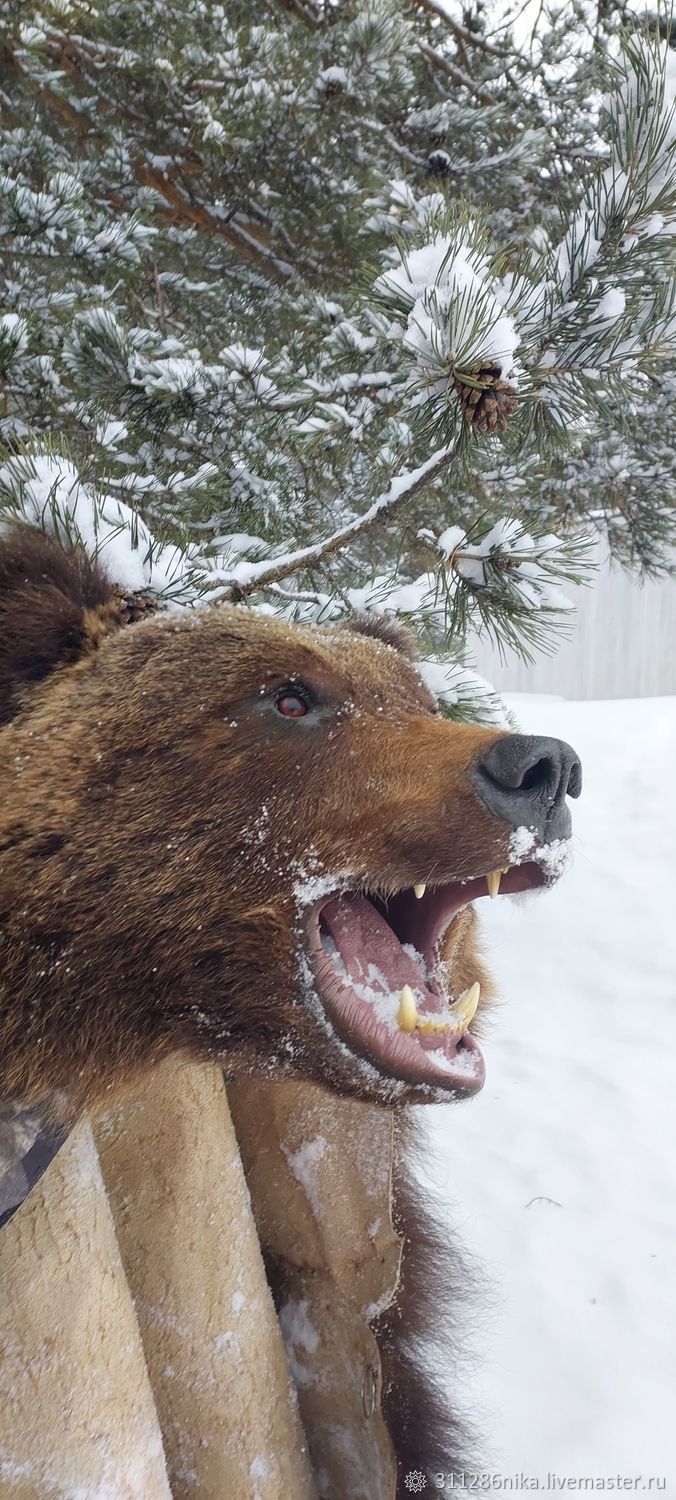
x: 363, y: 950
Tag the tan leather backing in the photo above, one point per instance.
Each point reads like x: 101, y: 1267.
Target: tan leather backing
x: 185, y: 1389
x: 215, y: 1357
x: 319, y: 1170
x: 77, y: 1415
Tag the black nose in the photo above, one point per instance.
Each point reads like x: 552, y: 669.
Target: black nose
x: 525, y: 780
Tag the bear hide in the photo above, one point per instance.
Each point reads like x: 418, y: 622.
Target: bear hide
x: 141, y: 1353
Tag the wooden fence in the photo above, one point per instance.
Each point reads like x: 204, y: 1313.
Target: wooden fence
x: 622, y: 644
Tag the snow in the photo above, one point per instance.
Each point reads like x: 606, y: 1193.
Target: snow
x: 334, y: 74
x: 298, y: 1333
x: 14, y: 334
x: 531, y: 562
x: 562, y: 1172
x: 452, y: 683
x: 110, y: 432
x: 444, y: 284
x: 372, y: 990
x: 384, y: 597
x: 45, y: 489
x: 451, y: 538
x: 174, y: 375
x: 248, y: 574
x: 554, y: 857
x: 259, y: 1468
x: 521, y: 844
x: 645, y: 104
x: 612, y: 305
x: 213, y: 130
x: 431, y: 265
x: 462, y: 1063
x: 579, y: 247
x: 310, y: 888
x: 303, y: 1164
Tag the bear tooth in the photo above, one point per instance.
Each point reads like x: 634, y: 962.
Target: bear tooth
x: 420, y: 889
x: 464, y: 1009
x: 493, y: 882
x: 407, y: 1015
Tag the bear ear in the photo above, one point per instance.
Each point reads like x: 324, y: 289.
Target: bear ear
x: 388, y: 630
x: 54, y: 607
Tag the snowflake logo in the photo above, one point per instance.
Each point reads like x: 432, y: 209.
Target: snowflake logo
x: 415, y: 1481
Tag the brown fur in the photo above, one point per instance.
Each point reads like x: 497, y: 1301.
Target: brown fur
x: 156, y: 814
x: 51, y: 605
x: 390, y: 632
x: 434, y: 1284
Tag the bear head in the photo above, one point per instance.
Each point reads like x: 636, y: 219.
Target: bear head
x: 244, y: 839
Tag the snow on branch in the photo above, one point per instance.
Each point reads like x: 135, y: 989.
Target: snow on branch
x: 462, y: 693
x: 248, y: 576
x: 509, y: 583
x: 441, y: 296
x: 45, y: 490
x: 597, y: 302
x: 345, y: 439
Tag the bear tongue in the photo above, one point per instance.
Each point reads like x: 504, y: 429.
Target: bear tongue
x: 363, y: 938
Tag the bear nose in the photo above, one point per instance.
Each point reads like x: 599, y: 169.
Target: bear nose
x: 525, y: 779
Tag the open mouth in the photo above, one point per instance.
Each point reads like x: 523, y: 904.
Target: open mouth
x: 380, y: 970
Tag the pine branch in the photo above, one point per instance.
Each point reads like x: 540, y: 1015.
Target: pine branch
x: 444, y: 65
x: 237, y: 412
x: 468, y: 38
x: 183, y: 210
x: 187, y: 211
x: 404, y: 487
x: 395, y: 145
x: 305, y: 12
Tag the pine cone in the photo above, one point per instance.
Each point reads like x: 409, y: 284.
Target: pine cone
x: 133, y: 607
x: 487, y: 401
x: 439, y: 163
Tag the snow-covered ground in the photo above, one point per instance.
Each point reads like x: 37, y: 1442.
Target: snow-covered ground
x: 562, y: 1173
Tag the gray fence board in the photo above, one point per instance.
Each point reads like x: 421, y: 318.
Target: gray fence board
x: 622, y: 645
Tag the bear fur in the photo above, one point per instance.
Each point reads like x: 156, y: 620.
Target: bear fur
x: 160, y: 821
x: 159, y: 817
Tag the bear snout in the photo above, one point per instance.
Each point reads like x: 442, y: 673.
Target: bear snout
x: 525, y: 780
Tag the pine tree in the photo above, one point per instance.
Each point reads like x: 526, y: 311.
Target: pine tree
x: 323, y: 306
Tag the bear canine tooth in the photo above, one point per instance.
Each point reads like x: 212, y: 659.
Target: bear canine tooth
x: 420, y: 889
x: 407, y: 1015
x: 464, y: 1009
x: 493, y: 882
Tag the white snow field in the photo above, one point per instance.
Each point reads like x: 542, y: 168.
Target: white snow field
x: 562, y: 1173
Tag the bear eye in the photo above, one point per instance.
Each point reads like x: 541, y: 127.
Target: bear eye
x: 292, y: 704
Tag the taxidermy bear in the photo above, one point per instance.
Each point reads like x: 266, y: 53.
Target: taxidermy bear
x: 243, y: 840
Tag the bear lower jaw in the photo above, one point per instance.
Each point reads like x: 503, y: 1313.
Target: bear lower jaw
x: 378, y: 973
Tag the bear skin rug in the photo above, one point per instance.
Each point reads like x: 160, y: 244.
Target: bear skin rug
x: 240, y: 839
